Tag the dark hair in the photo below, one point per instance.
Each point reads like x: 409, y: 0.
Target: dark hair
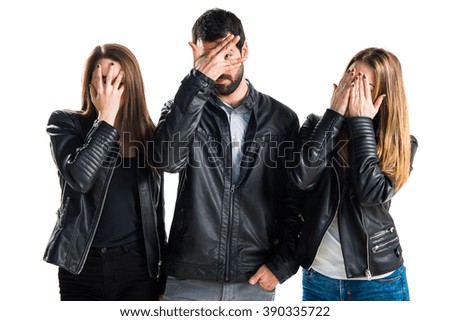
x: 133, y: 117
x: 215, y: 23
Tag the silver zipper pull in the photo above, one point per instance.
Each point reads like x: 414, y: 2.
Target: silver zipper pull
x: 368, y: 274
x: 159, y: 270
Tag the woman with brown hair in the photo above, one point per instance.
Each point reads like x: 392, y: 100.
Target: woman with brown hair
x: 350, y: 168
x: 109, y: 233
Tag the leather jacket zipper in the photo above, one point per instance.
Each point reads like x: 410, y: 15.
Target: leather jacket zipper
x: 380, y: 247
x: 91, y: 238
x: 382, y: 233
x: 367, y: 272
x: 158, y: 275
x: 335, y: 213
x: 155, y: 217
x: 229, y: 234
x: 230, y: 211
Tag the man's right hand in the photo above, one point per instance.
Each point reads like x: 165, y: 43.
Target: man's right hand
x: 214, y: 63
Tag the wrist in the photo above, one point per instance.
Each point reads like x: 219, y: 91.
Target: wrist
x: 340, y: 110
x: 110, y: 119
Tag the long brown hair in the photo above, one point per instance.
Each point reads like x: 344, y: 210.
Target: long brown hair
x: 133, y: 117
x: 391, y: 123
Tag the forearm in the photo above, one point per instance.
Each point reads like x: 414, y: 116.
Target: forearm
x: 79, y: 161
x: 179, y: 121
x: 283, y: 264
x: 313, y: 148
x: 370, y: 184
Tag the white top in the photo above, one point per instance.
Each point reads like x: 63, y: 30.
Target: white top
x: 329, y: 260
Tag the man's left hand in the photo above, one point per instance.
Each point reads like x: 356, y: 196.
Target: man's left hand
x: 265, y: 278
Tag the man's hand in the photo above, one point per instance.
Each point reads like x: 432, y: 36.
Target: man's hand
x: 215, y: 62
x: 265, y: 278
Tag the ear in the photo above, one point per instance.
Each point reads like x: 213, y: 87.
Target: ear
x: 195, y: 51
x: 244, y: 51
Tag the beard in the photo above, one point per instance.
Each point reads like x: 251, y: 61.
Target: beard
x: 226, y: 90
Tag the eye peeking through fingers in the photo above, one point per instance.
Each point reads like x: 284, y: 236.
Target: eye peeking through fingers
x: 227, y: 56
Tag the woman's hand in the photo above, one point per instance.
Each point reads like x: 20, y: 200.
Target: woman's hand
x: 106, y: 95
x: 341, y: 94
x: 361, y: 99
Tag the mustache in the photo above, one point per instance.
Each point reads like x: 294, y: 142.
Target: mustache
x: 223, y: 77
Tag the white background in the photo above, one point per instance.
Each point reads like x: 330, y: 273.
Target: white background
x: 297, y: 50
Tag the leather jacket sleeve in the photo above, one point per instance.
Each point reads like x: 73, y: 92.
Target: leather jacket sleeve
x: 79, y: 160
x: 313, y: 148
x: 179, y: 120
x: 283, y: 265
x: 370, y: 184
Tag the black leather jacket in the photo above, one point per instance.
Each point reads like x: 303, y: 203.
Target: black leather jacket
x: 223, y: 231
x: 369, y: 239
x: 85, y: 153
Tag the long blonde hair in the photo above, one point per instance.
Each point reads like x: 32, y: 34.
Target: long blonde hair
x: 391, y: 123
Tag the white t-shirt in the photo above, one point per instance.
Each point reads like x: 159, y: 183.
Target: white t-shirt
x: 329, y: 260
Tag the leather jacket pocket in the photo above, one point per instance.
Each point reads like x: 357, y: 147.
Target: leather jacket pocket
x: 384, y: 240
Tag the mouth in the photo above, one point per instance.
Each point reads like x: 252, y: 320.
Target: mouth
x: 223, y: 78
x: 221, y: 81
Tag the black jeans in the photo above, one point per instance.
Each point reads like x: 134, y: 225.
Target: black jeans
x: 111, y: 274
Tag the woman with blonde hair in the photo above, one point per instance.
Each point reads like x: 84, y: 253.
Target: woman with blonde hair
x: 110, y: 232
x: 352, y: 162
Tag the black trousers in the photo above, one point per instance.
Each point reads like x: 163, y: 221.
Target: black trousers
x: 111, y: 274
